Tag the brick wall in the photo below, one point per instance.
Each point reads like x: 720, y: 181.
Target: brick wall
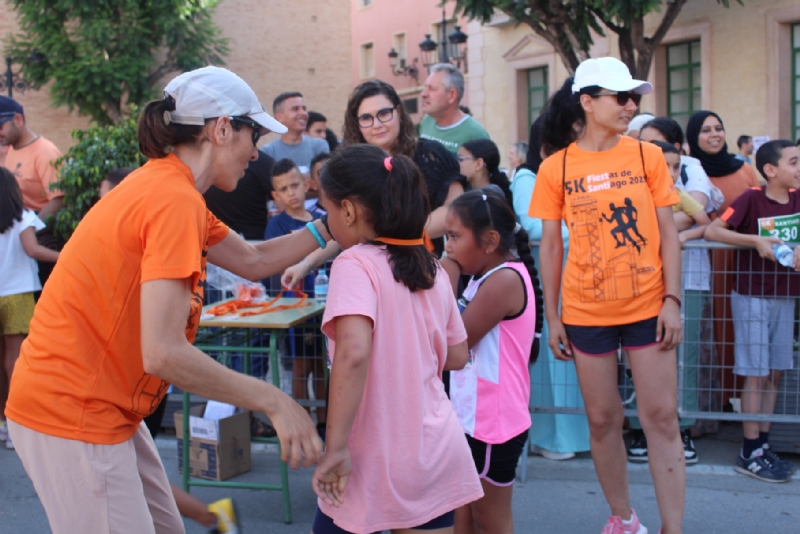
x: 276, y: 46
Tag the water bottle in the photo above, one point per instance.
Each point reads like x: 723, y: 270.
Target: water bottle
x: 321, y: 286
x: 783, y: 254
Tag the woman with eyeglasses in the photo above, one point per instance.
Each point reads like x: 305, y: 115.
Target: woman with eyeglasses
x: 116, y: 320
x: 621, y: 283
x: 376, y: 116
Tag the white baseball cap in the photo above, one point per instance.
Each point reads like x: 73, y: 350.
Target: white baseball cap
x: 638, y: 121
x: 608, y: 73
x: 212, y: 92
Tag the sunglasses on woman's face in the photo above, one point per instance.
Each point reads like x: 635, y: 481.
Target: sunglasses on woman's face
x: 257, y: 129
x: 383, y: 115
x: 622, y: 97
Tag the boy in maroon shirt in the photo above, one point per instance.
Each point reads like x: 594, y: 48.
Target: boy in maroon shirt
x: 763, y: 302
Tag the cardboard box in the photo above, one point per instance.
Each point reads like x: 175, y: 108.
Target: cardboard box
x: 216, y: 457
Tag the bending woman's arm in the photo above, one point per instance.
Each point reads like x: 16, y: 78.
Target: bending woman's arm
x: 167, y: 354
x: 670, y: 330
x: 551, y: 254
x: 265, y: 259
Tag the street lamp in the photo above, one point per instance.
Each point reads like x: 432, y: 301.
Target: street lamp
x: 403, y: 69
x: 456, y: 53
x: 12, y: 80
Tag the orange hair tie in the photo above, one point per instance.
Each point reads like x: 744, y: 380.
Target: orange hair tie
x: 401, y: 242
x: 388, y: 164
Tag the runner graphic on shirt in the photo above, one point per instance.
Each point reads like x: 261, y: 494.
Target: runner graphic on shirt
x: 605, y: 275
x: 625, y: 217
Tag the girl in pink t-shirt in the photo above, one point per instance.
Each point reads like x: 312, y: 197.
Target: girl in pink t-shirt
x: 395, y: 457
x: 502, y: 312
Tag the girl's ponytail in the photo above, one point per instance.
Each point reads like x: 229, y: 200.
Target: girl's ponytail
x: 395, y: 198
x: 404, y: 211
x: 524, y: 253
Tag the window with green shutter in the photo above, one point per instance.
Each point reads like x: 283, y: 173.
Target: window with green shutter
x: 538, y: 91
x: 683, y: 81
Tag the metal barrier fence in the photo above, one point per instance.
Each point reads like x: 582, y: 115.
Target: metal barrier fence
x: 738, y: 326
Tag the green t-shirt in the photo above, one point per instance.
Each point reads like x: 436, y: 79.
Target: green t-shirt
x: 452, y: 136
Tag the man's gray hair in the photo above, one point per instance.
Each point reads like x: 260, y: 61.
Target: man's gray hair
x: 453, y: 79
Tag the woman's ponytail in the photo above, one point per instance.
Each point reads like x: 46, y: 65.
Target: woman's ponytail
x: 565, y: 117
x: 156, y: 136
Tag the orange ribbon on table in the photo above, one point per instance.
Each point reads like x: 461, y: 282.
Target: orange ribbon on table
x: 266, y: 307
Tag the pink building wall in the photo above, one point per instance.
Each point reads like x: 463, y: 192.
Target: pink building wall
x: 379, y: 21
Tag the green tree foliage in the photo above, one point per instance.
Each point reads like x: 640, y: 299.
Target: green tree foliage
x: 102, y: 55
x: 568, y: 25
x: 99, y: 150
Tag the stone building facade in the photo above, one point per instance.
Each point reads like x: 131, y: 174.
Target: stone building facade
x: 742, y: 62
x: 275, y: 45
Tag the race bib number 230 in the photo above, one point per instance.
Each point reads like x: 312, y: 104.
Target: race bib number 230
x: 786, y: 227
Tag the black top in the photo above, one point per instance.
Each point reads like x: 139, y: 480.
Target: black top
x: 440, y: 169
x: 245, y: 208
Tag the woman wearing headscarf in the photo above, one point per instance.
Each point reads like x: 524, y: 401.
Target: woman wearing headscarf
x: 705, y: 135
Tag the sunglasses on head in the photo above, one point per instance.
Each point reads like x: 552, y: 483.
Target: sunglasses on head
x: 6, y: 117
x: 622, y: 97
x: 247, y: 121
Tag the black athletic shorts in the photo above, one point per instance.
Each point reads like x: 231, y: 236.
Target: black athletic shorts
x: 325, y: 525
x: 497, y: 463
x: 604, y: 340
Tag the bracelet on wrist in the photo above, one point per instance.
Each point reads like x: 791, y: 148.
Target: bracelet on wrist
x: 317, y: 236
x: 671, y: 297
x: 310, y: 267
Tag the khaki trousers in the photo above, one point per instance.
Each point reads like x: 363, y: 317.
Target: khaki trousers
x: 99, y: 489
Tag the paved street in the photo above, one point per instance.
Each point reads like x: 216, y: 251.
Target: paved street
x: 558, y: 497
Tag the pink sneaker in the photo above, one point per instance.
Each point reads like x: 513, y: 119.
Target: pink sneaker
x: 616, y: 526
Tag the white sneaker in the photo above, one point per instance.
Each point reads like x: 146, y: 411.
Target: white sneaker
x: 9, y: 444
x: 551, y: 455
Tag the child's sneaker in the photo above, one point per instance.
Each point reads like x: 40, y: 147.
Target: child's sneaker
x: 689, y: 452
x: 760, y: 467
x: 3, y: 431
x: 9, y: 443
x: 227, y: 521
x: 616, y: 525
x: 638, y: 449
x: 788, y: 467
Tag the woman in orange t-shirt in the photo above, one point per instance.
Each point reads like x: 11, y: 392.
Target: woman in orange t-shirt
x: 116, y: 321
x: 621, y: 283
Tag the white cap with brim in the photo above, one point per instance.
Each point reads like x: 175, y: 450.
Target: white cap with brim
x: 638, y: 121
x: 212, y: 92
x: 608, y: 73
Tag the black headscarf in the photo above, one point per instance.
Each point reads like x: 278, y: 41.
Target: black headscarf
x: 716, y: 165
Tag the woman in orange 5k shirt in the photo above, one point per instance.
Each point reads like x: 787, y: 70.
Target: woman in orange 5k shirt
x: 115, y: 323
x: 621, y: 283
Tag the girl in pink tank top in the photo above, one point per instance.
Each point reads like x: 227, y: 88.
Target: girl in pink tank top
x: 502, y: 312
